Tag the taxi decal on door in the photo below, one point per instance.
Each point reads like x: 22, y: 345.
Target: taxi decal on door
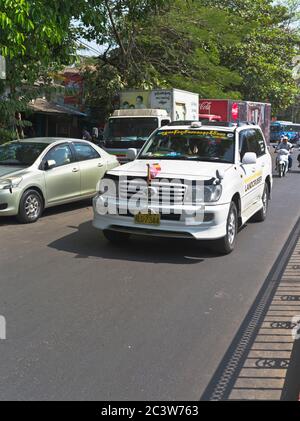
x: 253, y: 181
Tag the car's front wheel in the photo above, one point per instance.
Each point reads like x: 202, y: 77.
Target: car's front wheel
x: 30, y: 207
x: 115, y: 237
x: 226, y: 244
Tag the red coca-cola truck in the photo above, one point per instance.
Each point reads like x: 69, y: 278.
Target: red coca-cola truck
x: 234, y: 111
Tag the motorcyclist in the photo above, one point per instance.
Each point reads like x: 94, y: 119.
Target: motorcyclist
x: 285, y: 144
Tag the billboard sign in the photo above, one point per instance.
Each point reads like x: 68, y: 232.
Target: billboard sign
x: 135, y: 100
x: 73, y: 83
x: 214, y: 107
x: 162, y: 99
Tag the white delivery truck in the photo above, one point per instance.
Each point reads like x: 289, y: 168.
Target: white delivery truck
x: 142, y: 112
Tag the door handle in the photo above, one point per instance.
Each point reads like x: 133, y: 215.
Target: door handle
x: 75, y: 169
x: 100, y: 164
x: 253, y: 169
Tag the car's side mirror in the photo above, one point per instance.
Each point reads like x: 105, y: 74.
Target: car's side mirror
x: 50, y: 163
x: 249, y: 158
x: 131, y: 154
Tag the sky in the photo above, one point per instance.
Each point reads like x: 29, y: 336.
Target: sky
x: 93, y: 49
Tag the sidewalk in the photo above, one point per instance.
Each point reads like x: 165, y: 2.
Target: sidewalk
x: 264, y: 373
x: 263, y: 361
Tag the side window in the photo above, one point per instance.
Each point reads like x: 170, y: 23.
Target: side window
x: 252, y: 142
x: 261, y: 143
x: 165, y: 123
x: 243, y: 143
x: 61, y: 154
x: 85, y: 152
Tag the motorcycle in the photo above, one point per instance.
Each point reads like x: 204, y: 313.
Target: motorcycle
x: 282, y: 162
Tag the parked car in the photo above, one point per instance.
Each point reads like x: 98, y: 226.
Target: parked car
x: 39, y: 173
x: 190, y: 181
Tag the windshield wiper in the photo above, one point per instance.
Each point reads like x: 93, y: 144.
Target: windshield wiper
x: 211, y: 159
x: 163, y: 157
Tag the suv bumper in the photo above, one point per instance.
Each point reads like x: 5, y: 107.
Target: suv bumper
x: 207, y: 223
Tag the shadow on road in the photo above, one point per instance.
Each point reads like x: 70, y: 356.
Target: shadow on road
x: 8, y: 220
x: 56, y: 210
x: 86, y: 242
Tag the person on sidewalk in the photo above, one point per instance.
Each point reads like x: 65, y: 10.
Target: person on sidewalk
x: 86, y: 134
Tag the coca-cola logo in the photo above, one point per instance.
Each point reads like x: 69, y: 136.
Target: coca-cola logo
x: 235, y: 111
x: 205, y: 106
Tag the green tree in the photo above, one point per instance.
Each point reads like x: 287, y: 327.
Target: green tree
x: 35, y: 37
x: 164, y: 45
x: 264, y: 56
x: 221, y: 48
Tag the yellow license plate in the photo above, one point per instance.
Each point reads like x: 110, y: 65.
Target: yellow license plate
x: 147, y: 218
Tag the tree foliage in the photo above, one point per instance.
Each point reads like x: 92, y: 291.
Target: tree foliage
x: 222, y: 48
x: 264, y: 57
x: 35, y: 37
x: 167, y: 44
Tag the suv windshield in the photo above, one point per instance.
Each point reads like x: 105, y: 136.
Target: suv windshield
x: 190, y: 144
x: 17, y: 153
x: 130, y: 128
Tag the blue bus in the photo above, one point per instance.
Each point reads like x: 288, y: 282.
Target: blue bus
x: 285, y: 128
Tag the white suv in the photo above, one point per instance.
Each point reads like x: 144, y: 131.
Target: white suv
x: 195, y: 181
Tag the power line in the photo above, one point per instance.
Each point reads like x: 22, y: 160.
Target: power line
x: 88, y: 47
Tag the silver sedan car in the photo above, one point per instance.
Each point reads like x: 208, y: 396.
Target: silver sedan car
x: 39, y: 173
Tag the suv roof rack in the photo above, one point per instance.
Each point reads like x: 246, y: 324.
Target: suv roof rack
x: 246, y: 123
x: 212, y: 123
x: 227, y: 123
x: 218, y: 123
x: 182, y: 122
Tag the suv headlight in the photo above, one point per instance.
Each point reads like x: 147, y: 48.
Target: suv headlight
x: 212, y: 193
x: 10, y: 183
x: 207, y: 193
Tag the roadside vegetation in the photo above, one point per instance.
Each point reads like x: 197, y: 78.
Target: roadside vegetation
x: 222, y: 48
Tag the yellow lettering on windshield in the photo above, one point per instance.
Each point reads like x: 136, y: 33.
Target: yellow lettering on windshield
x: 182, y: 132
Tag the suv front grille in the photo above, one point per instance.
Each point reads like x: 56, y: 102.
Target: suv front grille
x: 159, y: 192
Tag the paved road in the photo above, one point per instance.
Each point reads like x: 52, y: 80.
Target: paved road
x: 87, y: 320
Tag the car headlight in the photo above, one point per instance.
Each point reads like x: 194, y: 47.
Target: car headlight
x: 212, y: 193
x: 207, y: 193
x: 10, y: 183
